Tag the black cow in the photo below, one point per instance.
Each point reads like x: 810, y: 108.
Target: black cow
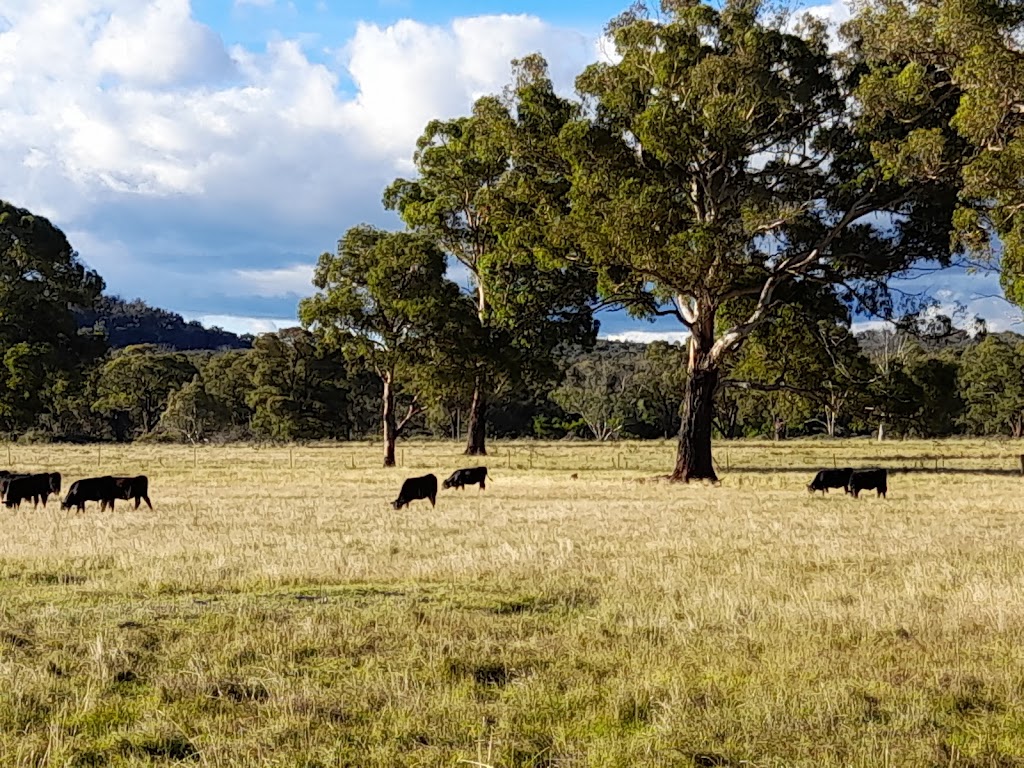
x: 101, y: 489
x: 55, y: 483
x: 417, y: 488
x: 133, y: 487
x: 5, y: 483
x: 868, y: 479
x: 830, y: 478
x: 462, y: 477
x: 19, y: 488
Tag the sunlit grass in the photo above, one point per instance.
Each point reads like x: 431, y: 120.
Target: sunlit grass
x: 274, y: 610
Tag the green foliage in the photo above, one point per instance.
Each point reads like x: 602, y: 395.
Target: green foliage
x: 728, y: 166
x: 492, y: 191
x: 43, y: 355
x: 228, y: 380
x: 660, y: 380
x: 603, y: 393
x: 940, y: 404
x: 992, y: 383
x: 964, y: 60
x: 136, y: 383
x: 384, y: 301
x: 192, y: 413
x: 298, y: 388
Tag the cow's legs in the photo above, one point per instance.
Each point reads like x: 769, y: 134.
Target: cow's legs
x: 146, y: 499
x: 432, y: 500
x: 138, y: 500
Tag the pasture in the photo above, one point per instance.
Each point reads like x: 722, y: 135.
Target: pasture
x: 275, y: 611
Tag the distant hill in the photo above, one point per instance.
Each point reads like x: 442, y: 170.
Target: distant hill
x: 135, y: 322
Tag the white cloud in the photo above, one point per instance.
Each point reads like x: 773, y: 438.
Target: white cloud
x: 257, y: 3
x: 168, y: 156
x: 835, y: 12
x: 159, y: 44
x: 409, y: 73
x: 294, y: 280
x: 238, y: 324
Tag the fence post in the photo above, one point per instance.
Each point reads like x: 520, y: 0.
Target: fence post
x: 1022, y: 463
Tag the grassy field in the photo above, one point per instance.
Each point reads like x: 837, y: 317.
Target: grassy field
x: 275, y: 611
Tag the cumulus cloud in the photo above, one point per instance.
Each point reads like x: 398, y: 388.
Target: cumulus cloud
x: 186, y: 170
x: 159, y: 44
x: 409, y: 73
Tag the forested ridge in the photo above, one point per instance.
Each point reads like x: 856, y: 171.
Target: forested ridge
x: 758, y: 179
x: 125, y: 323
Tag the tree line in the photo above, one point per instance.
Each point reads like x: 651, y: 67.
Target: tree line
x: 745, y: 173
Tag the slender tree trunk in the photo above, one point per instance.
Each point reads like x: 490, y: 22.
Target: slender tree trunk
x: 881, y: 430
x: 390, y: 429
x: 476, y: 437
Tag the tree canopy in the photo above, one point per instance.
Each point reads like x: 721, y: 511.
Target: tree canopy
x: 492, y: 191
x: 725, y: 159
x: 384, y: 301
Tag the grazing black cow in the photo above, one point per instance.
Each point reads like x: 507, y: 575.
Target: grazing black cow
x: 133, y: 487
x: 830, y: 478
x: 462, y: 477
x: 417, y: 488
x: 19, y: 488
x: 868, y: 479
x: 101, y: 489
x: 5, y: 483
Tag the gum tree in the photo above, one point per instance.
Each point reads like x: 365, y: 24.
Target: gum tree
x: 724, y: 160
x: 974, y: 49
x: 492, y: 192
x: 383, y: 299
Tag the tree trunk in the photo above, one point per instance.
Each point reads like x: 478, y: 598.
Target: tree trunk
x: 693, y: 461
x: 390, y: 429
x: 476, y: 444
x: 881, y: 430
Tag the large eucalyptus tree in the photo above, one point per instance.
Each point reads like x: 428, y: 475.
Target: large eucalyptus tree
x: 728, y: 158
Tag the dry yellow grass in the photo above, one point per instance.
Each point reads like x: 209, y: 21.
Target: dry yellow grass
x: 274, y: 610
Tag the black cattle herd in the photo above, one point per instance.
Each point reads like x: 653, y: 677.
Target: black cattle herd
x: 853, y: 481
x: 15, y: 488
x: 850, y: 480
x: 425, y: 486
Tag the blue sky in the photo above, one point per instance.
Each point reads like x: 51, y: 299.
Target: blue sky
x: 202, y: 155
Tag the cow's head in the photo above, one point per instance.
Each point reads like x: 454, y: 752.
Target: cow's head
x: 397, y: 504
